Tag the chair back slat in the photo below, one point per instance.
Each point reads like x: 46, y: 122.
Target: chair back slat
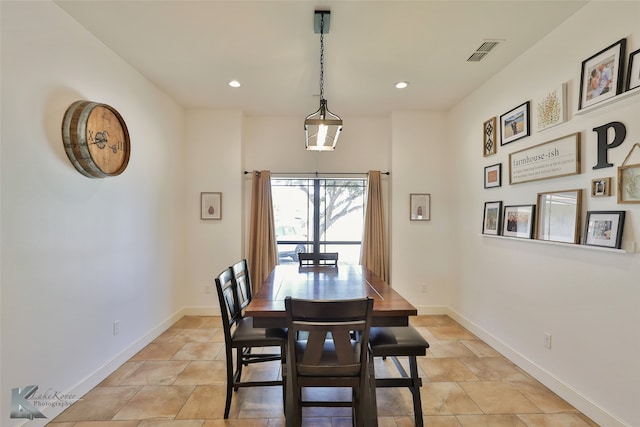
x: 307, y: 259
x: 243, y: 283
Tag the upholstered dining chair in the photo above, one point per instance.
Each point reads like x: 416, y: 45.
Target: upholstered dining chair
x: 239, y: 334
x: 333, y: 352
x: 399, y: 341
x: 309, y: 259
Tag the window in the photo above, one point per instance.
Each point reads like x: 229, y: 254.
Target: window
x: 319, y: 215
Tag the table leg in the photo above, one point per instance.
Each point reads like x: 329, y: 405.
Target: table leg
x: 370, y: 406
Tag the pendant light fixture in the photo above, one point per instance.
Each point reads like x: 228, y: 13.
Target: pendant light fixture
x: 322, y: 128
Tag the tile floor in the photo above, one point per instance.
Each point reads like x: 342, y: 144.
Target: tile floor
x: 178, y: 381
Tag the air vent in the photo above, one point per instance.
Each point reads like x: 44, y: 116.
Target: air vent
x: 483, y: 50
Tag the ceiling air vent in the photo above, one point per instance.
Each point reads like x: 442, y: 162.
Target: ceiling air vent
x: 484, y: 49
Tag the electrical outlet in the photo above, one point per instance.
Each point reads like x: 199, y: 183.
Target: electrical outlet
x: 547, y: 340
x: 116, y: 327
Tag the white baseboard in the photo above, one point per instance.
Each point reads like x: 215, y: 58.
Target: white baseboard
x: 584, y: 405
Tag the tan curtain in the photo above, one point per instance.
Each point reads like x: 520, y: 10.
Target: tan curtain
x: 263, y: 252
x: 374, y: 239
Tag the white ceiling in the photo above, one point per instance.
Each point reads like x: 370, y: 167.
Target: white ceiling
x: 191, y: 49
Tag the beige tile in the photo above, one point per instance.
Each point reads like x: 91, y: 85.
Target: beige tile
x: 200, y: 335
x: 480, y: 348
x: 238, y: 423
x: 543, y: 398
x: 554, y: 420
x: 99, y: 404
x: 207, y: 402
x: 446, y: 399
x: 155, y: 402
x: 490, y: 421
x: 160, y: 372
x: 132, y: 423
x: 438, y: 421
x: 120, y: 374
x: 451, y: 332
x: 170, y: 423
x: 167, y: 336
x: 158, y: 351
x: 434, y: 320
x: 497, y: 397
x: 190, y: 322
x: 449, y: 349
x: 394, y: 402
x: 203, y: 372
x: 494, y: 369
x: 446, y: 370
x: 198, y: 351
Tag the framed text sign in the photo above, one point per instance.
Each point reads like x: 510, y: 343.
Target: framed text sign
x: 559, y: 157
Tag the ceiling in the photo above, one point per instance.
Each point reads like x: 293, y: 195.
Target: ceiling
x: 192, y: 49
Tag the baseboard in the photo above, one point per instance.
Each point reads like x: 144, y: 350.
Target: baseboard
x: 95, y: 378
x: 584, y: 405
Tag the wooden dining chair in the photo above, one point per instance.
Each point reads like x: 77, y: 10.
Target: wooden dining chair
x: 333, y: 352
x: 399, y: 341
x: 309, y: 259
x: 239, y: 334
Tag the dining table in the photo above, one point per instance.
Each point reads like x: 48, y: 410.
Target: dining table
x: 328, y: 283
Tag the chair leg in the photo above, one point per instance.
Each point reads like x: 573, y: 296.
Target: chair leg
x: 238, y: 370
x: 415, y: 390
x: 230, y: 376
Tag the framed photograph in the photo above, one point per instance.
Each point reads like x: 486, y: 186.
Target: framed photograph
x: 633, y: 70
x: 629, y: 184
x: 604, y: 228
x: 551, y: 159
x: 551, y: 109
x: 210, y: 205
x: 493, y: 176
x: 601, y: 187
x: 489, y: 137
x: 492, y: 220
x: 518, y: 220
x: 558, y: 216
x: 419, y: 207
x: 601, y: 75
x: 514, y: 124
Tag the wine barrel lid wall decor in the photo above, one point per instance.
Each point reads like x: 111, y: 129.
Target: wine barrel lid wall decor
x: 96, y: 139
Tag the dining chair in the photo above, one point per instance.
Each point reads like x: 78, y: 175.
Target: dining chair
x: 309, y: 259
x: 239, y: 334
x: 333, y: 352
x: 394, y: 342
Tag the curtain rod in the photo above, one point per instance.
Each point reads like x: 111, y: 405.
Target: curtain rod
x: 320, y: 173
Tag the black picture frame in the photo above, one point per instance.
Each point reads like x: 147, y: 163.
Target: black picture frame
x: 604, y: 229
x: 493, y: 176
x: 515, y: 124
x: 492, y: 218
x: 633, y: 70
x: 518, y: 221
x: 593, y: 89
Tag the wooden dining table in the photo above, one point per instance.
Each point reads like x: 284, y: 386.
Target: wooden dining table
x: 328, y: 283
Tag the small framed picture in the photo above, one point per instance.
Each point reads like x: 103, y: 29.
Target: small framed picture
x: 514, y: 124
x: 551, y: 107
x: 558, y: 216
x: 633, y: 70
x: 629, y: 184
x: 489, y: 137
x: 210, y: 205
x: 518, y: 220
x: 601, y: 75
x: 601, y: 187
x: 493, y: 176
x: 492, y: 220
x: 604, y: 228
x: 419, y: 207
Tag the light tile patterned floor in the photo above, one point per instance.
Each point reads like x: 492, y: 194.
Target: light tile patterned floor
x: 178, y: 381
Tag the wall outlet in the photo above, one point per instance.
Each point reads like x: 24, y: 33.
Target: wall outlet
x: 116, y: 327
x: 547, y: 340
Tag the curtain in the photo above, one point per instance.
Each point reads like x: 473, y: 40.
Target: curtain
x: 373, y: 254
x: 263, y: 252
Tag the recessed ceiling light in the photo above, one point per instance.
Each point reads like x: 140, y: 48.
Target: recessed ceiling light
x: 234, y: 83
x: 402, y: 85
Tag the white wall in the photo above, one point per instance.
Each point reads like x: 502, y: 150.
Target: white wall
x: 511, y: 292
x: 79, y: 253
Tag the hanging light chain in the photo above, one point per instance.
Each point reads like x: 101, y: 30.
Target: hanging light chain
x: 322, y: 56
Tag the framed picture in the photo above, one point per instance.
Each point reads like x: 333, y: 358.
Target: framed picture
x: 601, y: 75
x: 601, y: 187
x: 604, y: 228
x: 492, y: 220
x: 210, y: 205
x: 629, y: 184
x: 419, y: 207
x: 489, y: 137
x: 633, y: 70
x: 518, y: 220
x: 558, y: 216
x: 551, y: 107
x: 514, y: 124
x: 551, y: 159
x: 493, y: 176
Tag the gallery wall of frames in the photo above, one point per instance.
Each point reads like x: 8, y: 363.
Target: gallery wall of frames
x: 556, y: 216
